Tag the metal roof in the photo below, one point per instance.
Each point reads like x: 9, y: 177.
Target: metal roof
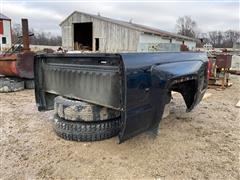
x: 135, y: 26
x: 2, y: 16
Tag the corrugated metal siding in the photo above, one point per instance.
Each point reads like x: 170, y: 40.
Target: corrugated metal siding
x: 147, y: 38
x: 158, y: 47
x: 153, y: 43
x: 112, y: 37
x: 190, y: 44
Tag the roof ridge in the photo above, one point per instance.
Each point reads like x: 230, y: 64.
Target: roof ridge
x: 135, y: 26
x: 2, y: 16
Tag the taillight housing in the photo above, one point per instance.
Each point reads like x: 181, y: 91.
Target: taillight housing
x: 209, y: 68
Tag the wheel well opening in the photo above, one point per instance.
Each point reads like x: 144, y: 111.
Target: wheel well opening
x: 188, y: 90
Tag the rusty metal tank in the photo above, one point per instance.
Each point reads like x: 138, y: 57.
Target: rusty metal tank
x: 19, y: 64
x: 223, y: 60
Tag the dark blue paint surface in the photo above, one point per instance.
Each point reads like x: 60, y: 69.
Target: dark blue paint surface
x: 149, y: 77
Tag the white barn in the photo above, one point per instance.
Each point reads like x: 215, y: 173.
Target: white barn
x: 5, y: 32
x: 82, y: 31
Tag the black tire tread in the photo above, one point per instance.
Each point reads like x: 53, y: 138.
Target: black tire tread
x: 86, y: 131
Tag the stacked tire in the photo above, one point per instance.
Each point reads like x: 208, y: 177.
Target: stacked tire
x: 80, y: 121
x: 13, y: 84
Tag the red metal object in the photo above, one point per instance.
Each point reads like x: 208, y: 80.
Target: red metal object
x: 223, y: 61
x: 21, y: 64
x: 1, y: 26
x: 8, y: 65
x: 24, y: 64
x: 25, y: 34
x: 209, y: 68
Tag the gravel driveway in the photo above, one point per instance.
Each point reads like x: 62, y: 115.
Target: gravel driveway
x: 202, y: 144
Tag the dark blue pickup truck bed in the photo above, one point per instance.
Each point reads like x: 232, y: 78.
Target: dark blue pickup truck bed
x: 137, y: 84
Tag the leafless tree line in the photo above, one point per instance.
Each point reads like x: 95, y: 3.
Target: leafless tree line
x: 219, y: 39
x: 223, y: 39
x: 42, y: 38
x: 184, y: 26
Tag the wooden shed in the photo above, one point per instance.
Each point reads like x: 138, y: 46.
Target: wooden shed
x: 82, y: 31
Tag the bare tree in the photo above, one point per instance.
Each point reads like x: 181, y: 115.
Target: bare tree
x: 186, y: 26
x: 16, y: 32
x: 225, y: 39
x: 42, y: 38
x: 231, y: 37
x: 216, y: 38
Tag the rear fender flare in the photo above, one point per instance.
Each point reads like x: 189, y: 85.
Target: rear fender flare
x: 181, y: 77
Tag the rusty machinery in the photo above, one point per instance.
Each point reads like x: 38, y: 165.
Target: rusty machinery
x: 19, y: 64
x: 220, y: 63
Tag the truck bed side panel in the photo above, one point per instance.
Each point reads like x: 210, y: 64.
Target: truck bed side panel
x: 85, y: 78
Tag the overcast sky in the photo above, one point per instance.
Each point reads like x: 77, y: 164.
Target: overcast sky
x: 46, y: 15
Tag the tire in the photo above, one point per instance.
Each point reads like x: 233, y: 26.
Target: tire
x: 86, y: 131
x: 29, y: 84
x: 8, y: 84
x: 75, y: 110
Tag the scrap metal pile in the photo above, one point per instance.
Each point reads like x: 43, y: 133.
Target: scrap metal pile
x: 16, y: 65
x: 220, y: 64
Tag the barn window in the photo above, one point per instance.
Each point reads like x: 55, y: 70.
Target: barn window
x: 97, y: 44
x: 4, y: 40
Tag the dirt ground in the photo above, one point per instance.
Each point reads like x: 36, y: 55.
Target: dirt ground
x: 202, y: 144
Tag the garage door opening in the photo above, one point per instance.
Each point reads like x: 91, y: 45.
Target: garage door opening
x: 83, y: 36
